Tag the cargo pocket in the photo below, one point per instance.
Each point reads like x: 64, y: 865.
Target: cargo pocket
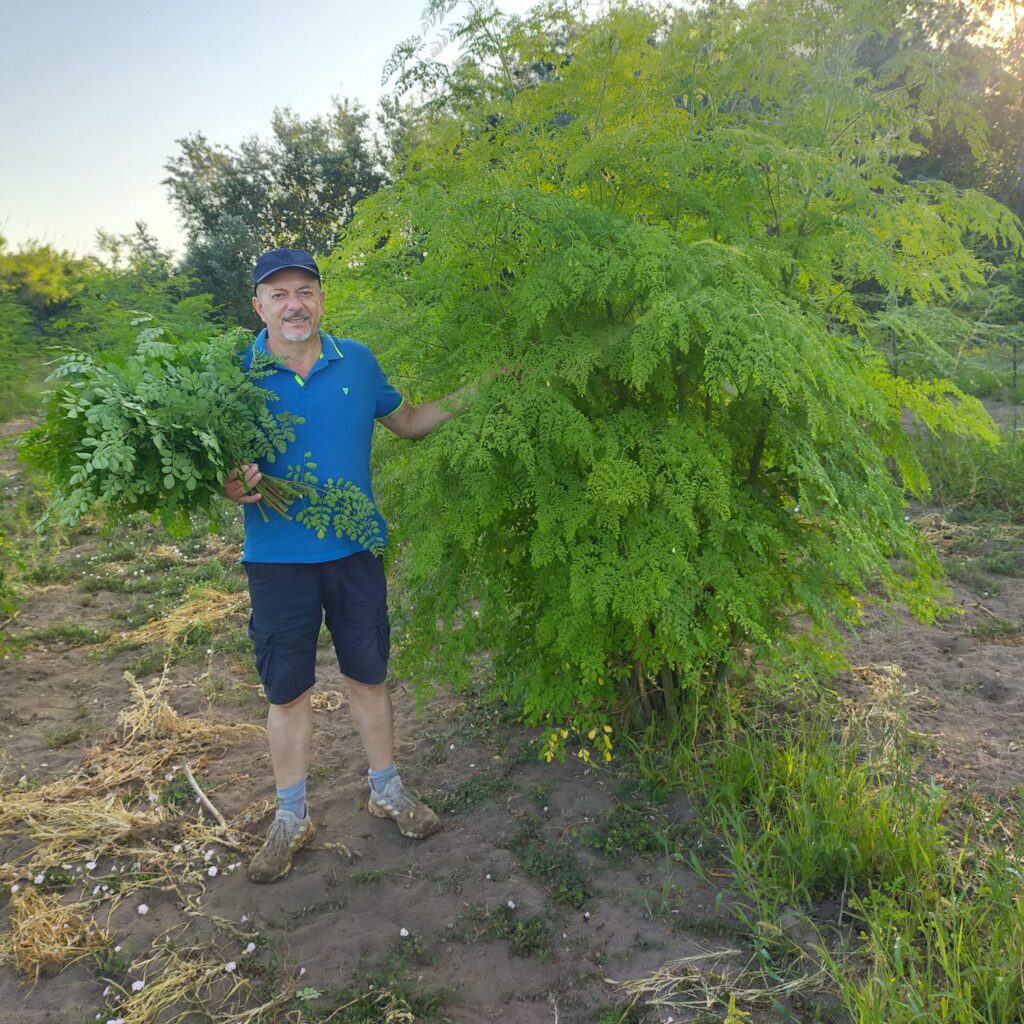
x: 263, y: 647
x: 384, y: 634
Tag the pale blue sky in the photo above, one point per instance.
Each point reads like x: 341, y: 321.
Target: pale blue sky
x: 95, y: 94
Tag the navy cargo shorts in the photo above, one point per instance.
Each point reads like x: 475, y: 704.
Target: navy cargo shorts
x: 291, y: 600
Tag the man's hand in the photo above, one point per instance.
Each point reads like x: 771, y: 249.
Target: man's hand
x: 240, y: 489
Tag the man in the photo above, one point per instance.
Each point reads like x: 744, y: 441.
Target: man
x: 297, y: 580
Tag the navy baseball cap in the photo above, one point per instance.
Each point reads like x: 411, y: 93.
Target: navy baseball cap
x: 283, y: 259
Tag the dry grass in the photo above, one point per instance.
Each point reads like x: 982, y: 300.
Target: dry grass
x: 47, y: 934
x: 205, y: 609
x: 193, y: 983
x: 712, y: 981
x: 327, y: 700
x: 88, y: 813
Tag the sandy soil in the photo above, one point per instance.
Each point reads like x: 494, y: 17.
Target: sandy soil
x: 338, y: 915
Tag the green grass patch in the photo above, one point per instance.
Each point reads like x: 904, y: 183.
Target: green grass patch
x: 528, y: 936
x: 973, y: 476
x: 69, y: 633
x: 930, y: 893
x: 629, y: 829
x: 64, y: 736
x: 998, y: 629
x: 470, y: 795
x: 553, y: 864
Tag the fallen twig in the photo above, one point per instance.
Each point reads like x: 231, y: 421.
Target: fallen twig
x: 203, y: 798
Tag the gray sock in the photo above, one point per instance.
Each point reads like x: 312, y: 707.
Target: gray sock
x: 380, y: 778
x: 293, y: 798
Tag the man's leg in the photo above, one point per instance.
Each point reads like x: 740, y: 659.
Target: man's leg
x: 355, y: 601
x: 285, y: 623
x: 290, y: 731
x: 371, y: 712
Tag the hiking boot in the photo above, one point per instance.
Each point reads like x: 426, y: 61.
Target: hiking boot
x: 285, y: 837
x: 413, y: 817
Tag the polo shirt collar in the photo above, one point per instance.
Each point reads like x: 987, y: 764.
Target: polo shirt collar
x: 329, y: 347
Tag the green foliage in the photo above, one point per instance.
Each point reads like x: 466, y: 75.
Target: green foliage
x: 158, y: 433
x: 19, y: 353
x: 298, y: 188
x: 681, y: 243
x: 133, y: 272
x: 975, y: 477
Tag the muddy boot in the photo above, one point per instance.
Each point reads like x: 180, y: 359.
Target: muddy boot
x: 413, y: 817
x: 286, y: 836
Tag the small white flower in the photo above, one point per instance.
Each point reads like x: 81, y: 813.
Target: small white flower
x: 143, y: 909
x: 169, y: 776
x: 95, y: 889
x: 213, y: 871
x: 250, y: 948
x: 152, y: 798
x: 91, y: 865
x: 230, y: 966
x: 39, y: 879
x: 207, y: 855
x: 511, y: 904
x: 451, y: 746
x: 302, y: 971
x: 117, y: 949
x: 67, y: 867
x: 209, y: 650
x: 176, y: 847
x: 586, y: 915
x: 15, y: 887
x: 404, y: 932
x: 104, y: 888
x: 138, y: 986
x: 106, y: 992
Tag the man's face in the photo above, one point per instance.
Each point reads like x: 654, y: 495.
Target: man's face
x: 290, y: 303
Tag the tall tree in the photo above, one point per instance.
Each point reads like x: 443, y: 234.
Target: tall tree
x: 678, y: 240
x: 298, y: 188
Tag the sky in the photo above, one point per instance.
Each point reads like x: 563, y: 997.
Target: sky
x: 95, y: 95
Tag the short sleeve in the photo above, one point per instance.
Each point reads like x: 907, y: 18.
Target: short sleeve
x: 387, y: 399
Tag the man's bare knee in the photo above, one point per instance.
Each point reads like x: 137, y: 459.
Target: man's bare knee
x: 293, y: 705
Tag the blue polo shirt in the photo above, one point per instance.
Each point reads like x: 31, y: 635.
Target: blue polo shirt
x: 345, y: 393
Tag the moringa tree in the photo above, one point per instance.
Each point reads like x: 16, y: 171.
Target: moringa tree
x: 679, y: 239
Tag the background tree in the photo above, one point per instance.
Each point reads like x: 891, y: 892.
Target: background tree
x: 297, y: 188
x: 679, y: 240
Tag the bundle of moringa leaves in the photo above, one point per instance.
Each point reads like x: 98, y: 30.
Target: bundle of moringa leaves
x: 159, y: 431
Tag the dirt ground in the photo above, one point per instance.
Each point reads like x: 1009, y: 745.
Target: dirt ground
x: 344, y: 912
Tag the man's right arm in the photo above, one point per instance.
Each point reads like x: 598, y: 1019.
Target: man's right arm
x: 240, y: 489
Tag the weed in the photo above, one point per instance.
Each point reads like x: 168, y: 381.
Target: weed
x: 554, y: 865
x: 969, y: 572
x: 111, y: 965
x: 177, y: 792
x: 998, y: 629
x: 69, y: 633
x: 528, y: 936
x: 64, y: 737
x: 471, y: 794
x: 629, y: 829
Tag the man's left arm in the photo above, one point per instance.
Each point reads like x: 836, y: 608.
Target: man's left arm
x: 415, y: 421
